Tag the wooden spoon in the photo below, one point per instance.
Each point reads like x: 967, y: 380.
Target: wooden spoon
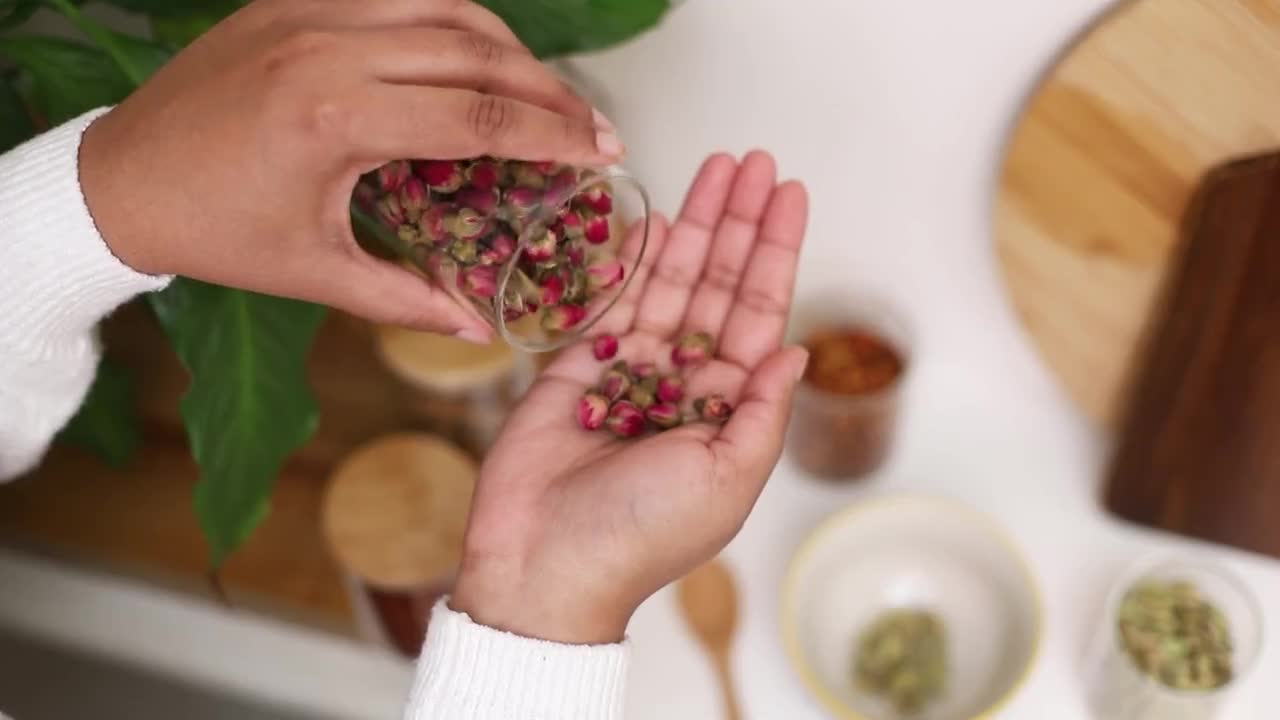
x: 709, y: 601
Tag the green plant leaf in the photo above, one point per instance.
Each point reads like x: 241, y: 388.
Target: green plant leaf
x: 106, y: 423
x: 558, y: 27
x: 136, y: 58
x: 15, y: 123
x: 179, y: 29
x: 166, y: 8
x: 68, y: 78
x: 16, y: 12
x: 248, y: 406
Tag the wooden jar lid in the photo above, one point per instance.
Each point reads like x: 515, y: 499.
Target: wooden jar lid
x: 396, y: 509
x: 442, y: 364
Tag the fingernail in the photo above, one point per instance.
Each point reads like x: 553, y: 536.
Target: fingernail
x: 608, y: 144
x: 801, y: 363
x: 473, y: 335
x: 602, y: 122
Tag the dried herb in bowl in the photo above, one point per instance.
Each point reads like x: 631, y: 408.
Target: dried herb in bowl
x: 1174, y: 635
x: 902, y: 657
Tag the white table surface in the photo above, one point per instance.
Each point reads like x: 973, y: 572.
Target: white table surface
x: 895, y: 113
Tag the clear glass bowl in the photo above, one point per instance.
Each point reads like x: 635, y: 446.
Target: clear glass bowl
x: 1119, y: 690
x: 540, y: 251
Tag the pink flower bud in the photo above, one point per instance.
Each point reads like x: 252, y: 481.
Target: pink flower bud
x: 598, y: 199
x: 670, y: 389
x: 479, y: 199
x: 713, y: 408
x: 466, y: 223
x: 481, y: 281
x: 497, y: 249
x: 432, y: 224
x: 546, y: 167
x: 605, y: 275
x: 615, y: 383
x: 563, y: 317
x: 605, y: 347
x: 486, y: 174
x: 523, y: 201
x: 575, y: 255
x: 390, y: 211
x: 561, y: 184
x: 365, y: 197
x: 512, y: 314
x: 596, y: 230
x: 552, y: 289
x: 393, y: 175
x: 640, y: 396
x: 527, y: 175
x: 665, y: 415
x: 441, y: 175
x: 693, y: 350
x: 413, y: 198
x: 643, y: 370
x: 626, y: 420
x: 575, y: 228
x: 541, y: 248
x: 593, y: 409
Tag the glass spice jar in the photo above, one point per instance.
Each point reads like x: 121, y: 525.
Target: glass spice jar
x: 846, y: 407
x: 535, y: 248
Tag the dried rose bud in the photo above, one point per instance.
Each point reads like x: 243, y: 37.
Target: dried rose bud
x: 432, y: 223
x: 664, y: 414
x: 542, y: 248
x: 605, y: 347
x: 575, y: 228
x: 441, y: 175
x: 512, y: 314
x: 615, y: 383
x: 522, y: 200
x: 479, y: 199
x: 561, y: 184
x: 575, y: 255
x: 497, y: 249
x: 605, y: 275
x: 552, y: 289
x: 626, y: 420
x: 598, y: 199
x: 575, y: 288
x: 563, y: 317
x: 593, y: 409
x: 641, y: 396
x: 466, y: 223
x: 596, y: 230
x: 713, y: 408
x: 464, y: 250
x: 413, y: 198
x: 392, y: 175
x: 486, y: 174
x: 693, y: 350
x: 408, y: 234
x: 643, y: 370
x: 365, y: 197
x: 670, y: 389
x: 390, y: 211
x: 546, y: 167
x: 527, y: 175
x: 481, y: 281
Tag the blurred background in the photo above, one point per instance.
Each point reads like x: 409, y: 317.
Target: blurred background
x: 1001, y: 191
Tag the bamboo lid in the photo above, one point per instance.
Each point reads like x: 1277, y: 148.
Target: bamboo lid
x: 396, y: 509
x: 441, y: 364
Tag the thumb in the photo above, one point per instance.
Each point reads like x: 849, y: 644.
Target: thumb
x: 756, y: 430
x: 389, y: 294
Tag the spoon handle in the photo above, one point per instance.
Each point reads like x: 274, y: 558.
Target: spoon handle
x: 732, y: 711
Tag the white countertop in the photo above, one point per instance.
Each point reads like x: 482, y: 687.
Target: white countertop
x: 894, y: 112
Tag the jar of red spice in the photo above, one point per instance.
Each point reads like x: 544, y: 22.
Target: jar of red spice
x: 535, y: 248
x: 846, y: 408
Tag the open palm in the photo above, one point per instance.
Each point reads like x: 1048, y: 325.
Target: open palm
x: 583, y: 523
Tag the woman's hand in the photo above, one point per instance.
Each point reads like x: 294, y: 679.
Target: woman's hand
x: 571, y: 530
x: 236, y: 162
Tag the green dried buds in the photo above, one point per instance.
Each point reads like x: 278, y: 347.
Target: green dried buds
x: 1175, y: 636
x: 902, y: 657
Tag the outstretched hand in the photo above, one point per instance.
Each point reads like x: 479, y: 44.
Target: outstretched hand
x: 571, y: 530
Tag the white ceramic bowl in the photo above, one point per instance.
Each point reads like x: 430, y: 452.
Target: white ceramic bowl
x: 908, y: 551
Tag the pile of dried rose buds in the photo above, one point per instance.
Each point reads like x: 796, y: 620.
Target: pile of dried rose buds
x: 634, y: 399
x: 461, y: 221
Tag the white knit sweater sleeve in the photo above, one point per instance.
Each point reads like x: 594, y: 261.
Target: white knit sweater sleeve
x: 58, y: 279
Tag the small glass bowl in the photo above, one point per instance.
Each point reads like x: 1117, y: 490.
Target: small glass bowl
x: 1119, y: 690
x: 535, y: 249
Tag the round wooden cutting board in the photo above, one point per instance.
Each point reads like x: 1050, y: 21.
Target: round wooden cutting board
x: 1102, y: 165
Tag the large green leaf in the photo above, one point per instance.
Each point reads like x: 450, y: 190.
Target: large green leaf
x: 178, y: 30
x: 15, y: 124
x: 137, y: 59
x: 69, y: 78
x: 106, y: 423
x: 16, y: 12
x: 249, y: 406
x: 558, y: 27
x: 167, y: 8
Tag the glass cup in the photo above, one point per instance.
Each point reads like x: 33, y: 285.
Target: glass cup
x: 1118, y: 689
x: 846, y: 437
x: 535, y: 249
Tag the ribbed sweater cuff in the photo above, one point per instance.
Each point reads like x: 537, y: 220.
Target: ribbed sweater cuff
x: 469, y: 671
x: 58, y: 274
